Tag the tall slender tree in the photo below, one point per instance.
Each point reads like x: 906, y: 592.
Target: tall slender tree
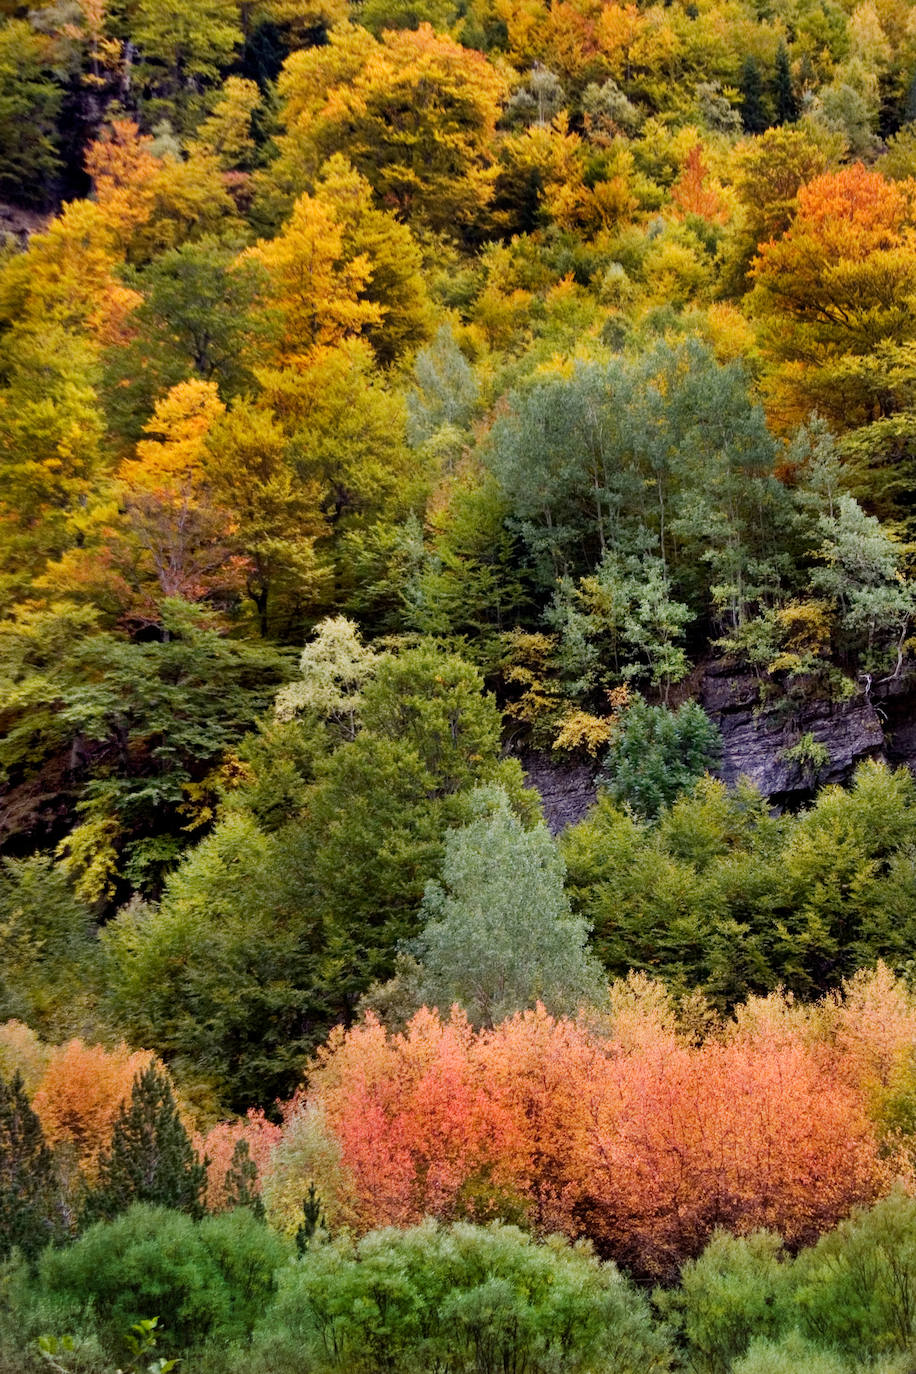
x: 150, y: 1158
x: 785, y: 105
x: 31, y: 1210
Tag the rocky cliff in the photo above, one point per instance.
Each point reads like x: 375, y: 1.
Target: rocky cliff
x: 786, y: 744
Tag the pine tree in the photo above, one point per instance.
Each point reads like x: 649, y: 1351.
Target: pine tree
x: 313, y: 1220
x: 786, y: 106
x: 753, y: 112
x: 150, y: 1158
x: 31, y: 1212
x: 241, y: 1178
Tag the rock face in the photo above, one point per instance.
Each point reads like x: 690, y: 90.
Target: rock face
x: 759, y: 735
x: 567, y: 789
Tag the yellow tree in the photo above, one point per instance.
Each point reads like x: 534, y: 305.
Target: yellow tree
x: 317, y: 294
x: 396, y: 285
x: 185, y: 537
x: 415, y: 113
x: 838, y: 288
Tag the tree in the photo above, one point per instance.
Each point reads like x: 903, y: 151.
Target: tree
x: 396, y: 285
x: 31, y: 1215
x: 754, y: 116
x: 656, y: 754
x: 461, y: 1296
x: 80, y: 1097
x: 194, y: 318
x: 242, y: 1179
x: 29, y: 103
x: 150, y: 1158
x: 498, y: 933
x: 770, y: 172
x: 833, y: 289
x: 47, y: 947
x: 784, y: 101
x: 138, y: 723
x: 237, y: 1154
x: 648, y: 1138
x: 318, y: 292
x: 249, y: 469
x: 183, y: 48
x: 446, y: 390
x: 335, y: 667
x: 415, y: 114
x: 210, y: 1279
x: 861, y: 573
x: 226, y: 977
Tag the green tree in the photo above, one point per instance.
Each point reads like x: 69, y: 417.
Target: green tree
x: 141, y: 722
x: 30, y: 101
x: 656, y: 754
x: 210, y: 1280
x: 241, y: 1181
x: 498, y: 934
x: 196, y: 319
x: 31, y: 1212
x: 150, y: 1158
x: 445, y: 391
x: 182, y: 48
x: 784, y: 101
x: 49, y: 970
x: 861, y: 572
x: 754, y: 114
x: 225, y: 977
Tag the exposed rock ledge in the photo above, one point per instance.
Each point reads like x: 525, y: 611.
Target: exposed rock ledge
x: 757, y: 736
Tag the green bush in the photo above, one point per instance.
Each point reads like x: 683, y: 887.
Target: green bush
x: 657, y: 754
x: 737, y: 1291
x: 462, y: 1300
x: 856, y: 1288
x: 205, y: 1281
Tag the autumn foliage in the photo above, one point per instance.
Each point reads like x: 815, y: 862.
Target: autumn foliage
x: 218, y: 1144
x: 81, y: 1093
x: 646, y: 1143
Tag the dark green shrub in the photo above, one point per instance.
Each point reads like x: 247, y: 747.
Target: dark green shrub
x: 205, y: 1281
x: 657, y: 754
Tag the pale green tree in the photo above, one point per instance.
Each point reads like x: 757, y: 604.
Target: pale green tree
x: 499, y: 934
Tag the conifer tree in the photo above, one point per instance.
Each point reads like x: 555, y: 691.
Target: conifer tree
x: 313, y: 1220
x: 241, y: 1178
x: 784, y: 101
x: 150, y: 1158
x: 31, y: 1213
x: 753, y: 111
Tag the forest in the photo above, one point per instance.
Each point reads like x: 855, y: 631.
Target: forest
x: 393, y: 393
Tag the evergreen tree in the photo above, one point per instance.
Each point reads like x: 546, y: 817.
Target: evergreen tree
x: 150, y: 1158
x: 753, y: 111
x: 241, y: 1178
x: 31, y: 1214
x: 313, y: 1220
x: 784, y: 101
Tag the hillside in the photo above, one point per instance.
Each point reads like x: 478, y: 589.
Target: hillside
x: 457, y: 686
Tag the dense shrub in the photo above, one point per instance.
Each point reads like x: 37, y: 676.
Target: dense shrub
x: 205, y: 1281
x: 456, y: 1300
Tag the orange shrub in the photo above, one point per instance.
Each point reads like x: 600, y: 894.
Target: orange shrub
x: 645, y: 1143
x: 218, y: 1144
x: 80, y: 1093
